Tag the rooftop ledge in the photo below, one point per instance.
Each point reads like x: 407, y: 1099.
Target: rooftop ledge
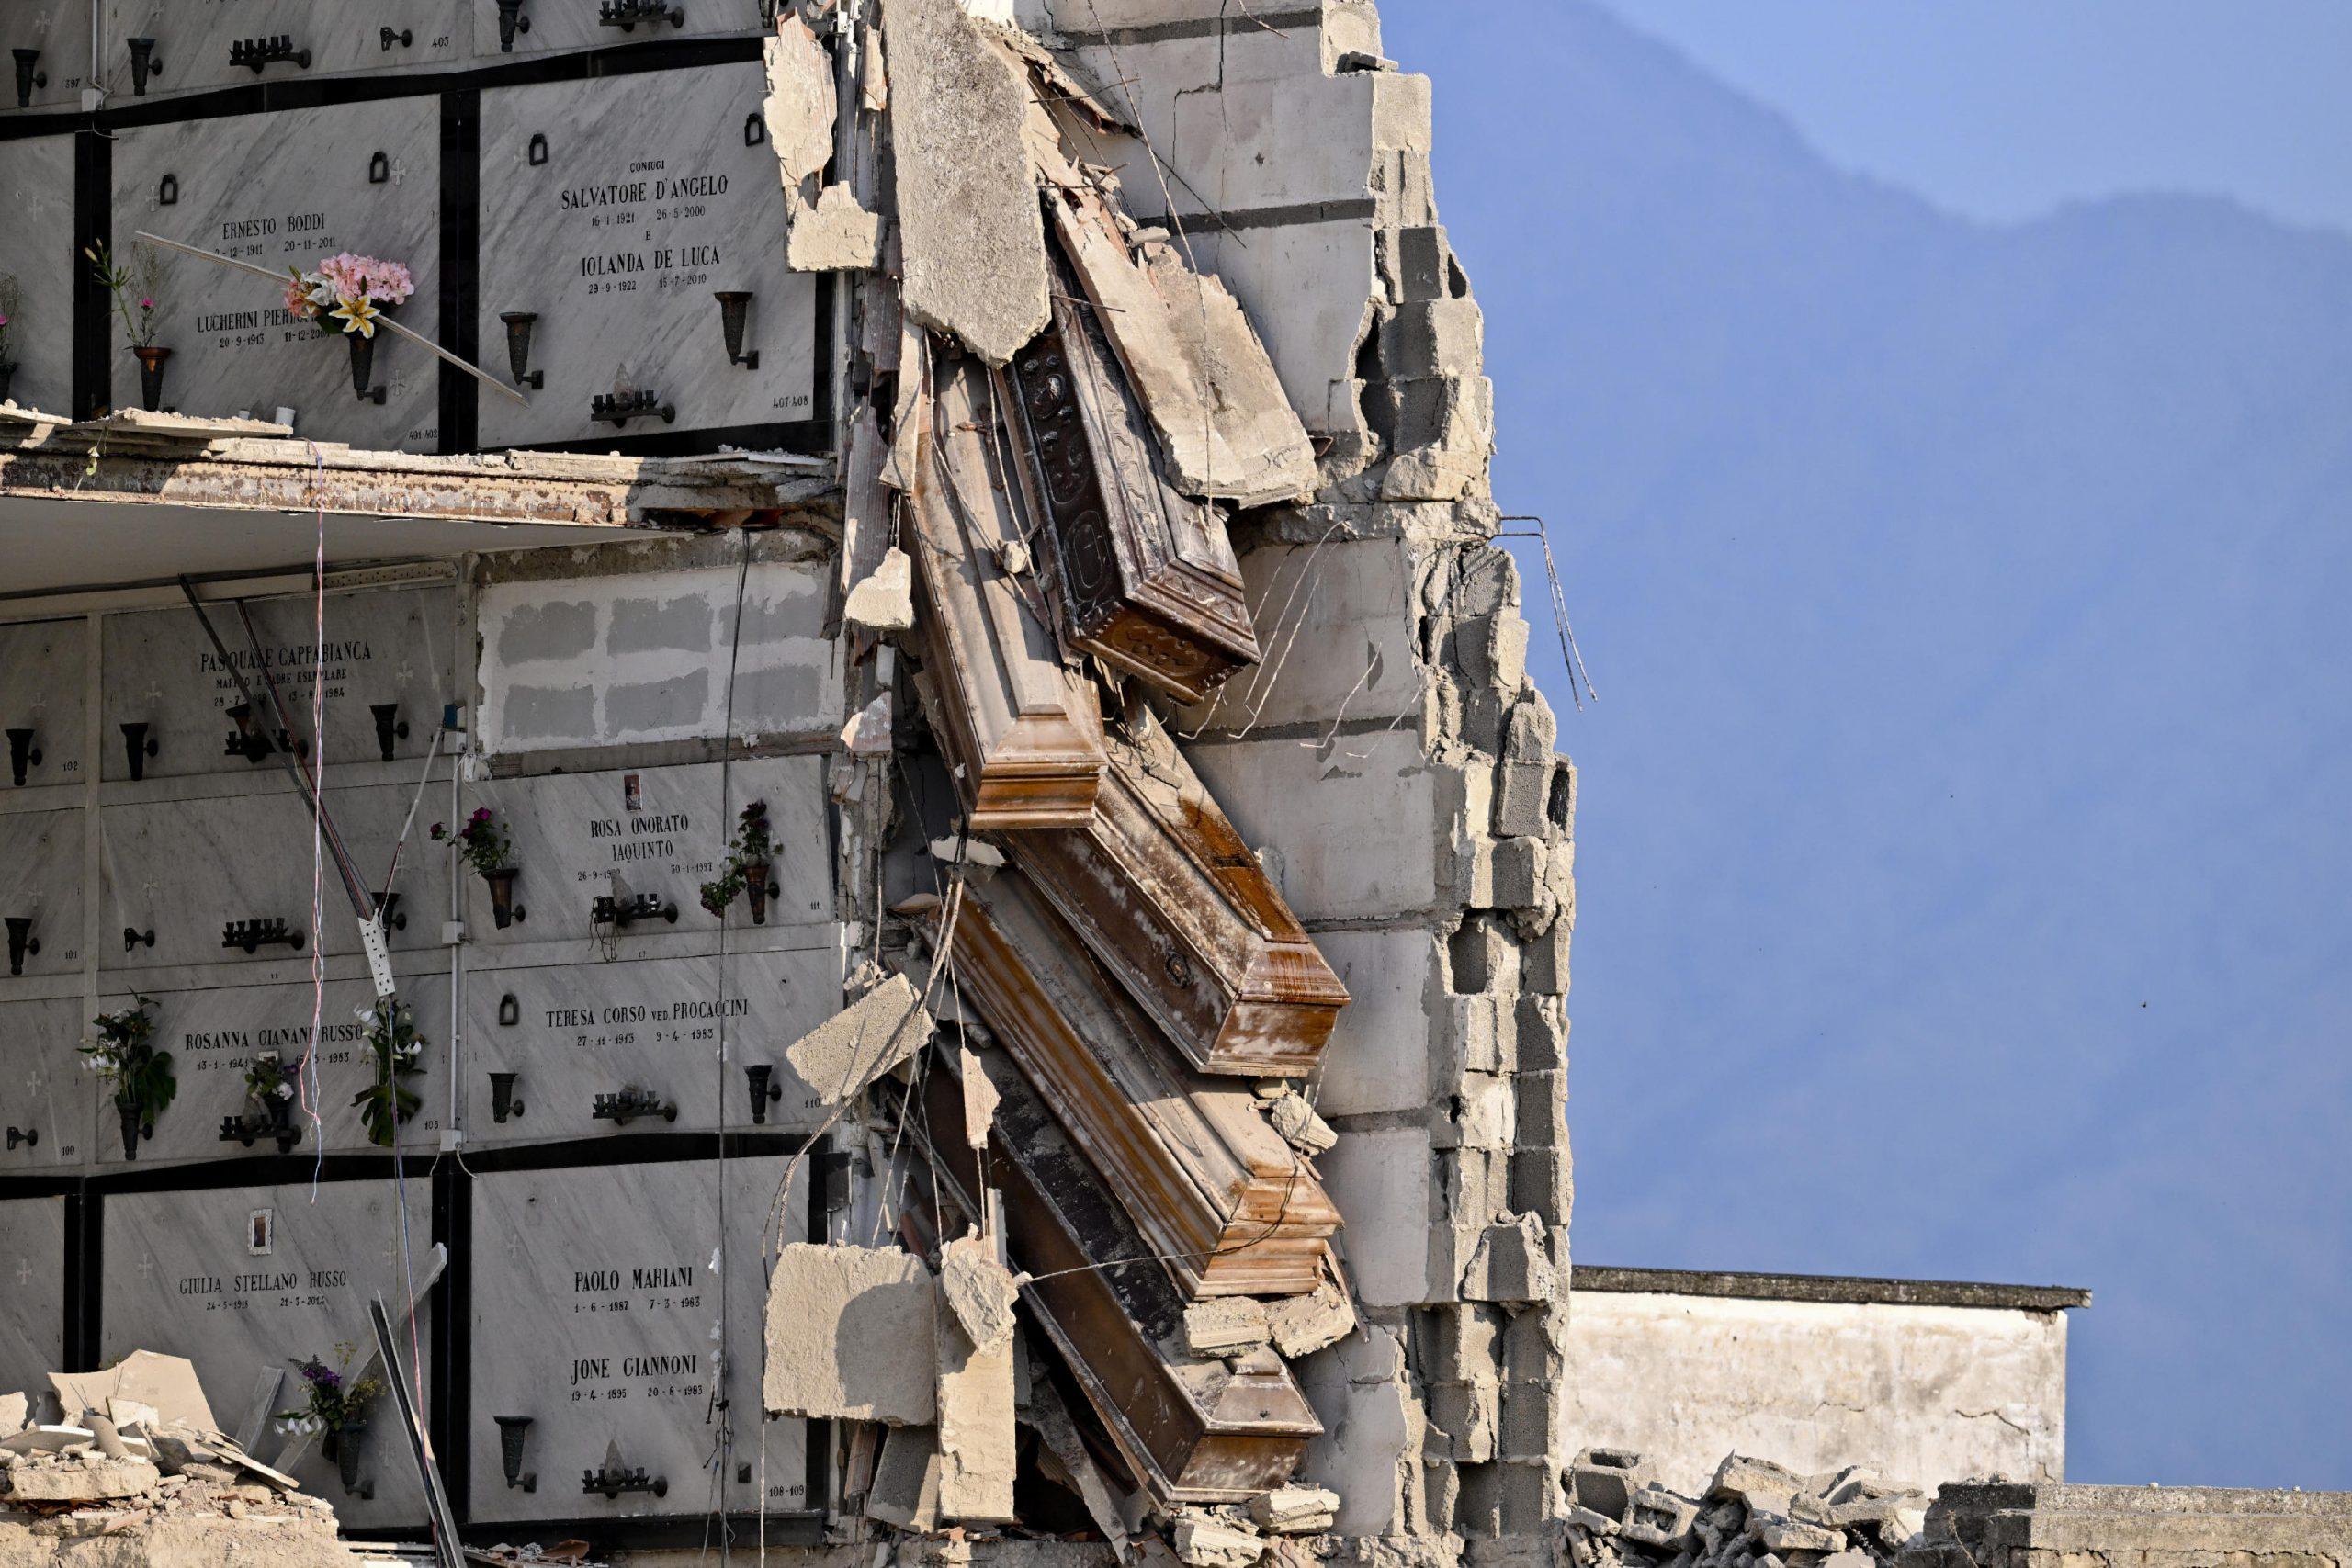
x: 1827, y: 1287
x: 138, y: 497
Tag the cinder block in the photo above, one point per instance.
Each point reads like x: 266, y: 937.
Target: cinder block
x: 1542, y: 1182
x: 1470, y: 1414
x: 1487, y: 1114
x: 1278, y: 791
x: 1540, y: 1031
x: 1483, y: 1039
x: 1389, y: 1173
x: 1459, y: 1343
x: 1484, y: 957
x: 1513, y: 1263
x: 1369, y: 1427
x: 1540, y: 1113
x: 1509, y: 1497
x: 1434, y: 337
x: 1385, y: 1045
x: 1605, y: 1480
x: 1534, y: 1345
x: 1424, y: 263
x: 1543, y: 962
x: 1477, y: 1183
x: 1530, y: 1420
x: 1518, y: 867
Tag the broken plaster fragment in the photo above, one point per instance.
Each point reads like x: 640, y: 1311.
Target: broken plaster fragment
x: 980, y: 1097
x: 1296, y: 1510
x: 973, y: 240
x: 978, y: 1290
x: 799, y: 105
x: 1205, y: 1542
x: 976, y: 1384
x: 836, y: 235
x: 885, y: 602
x: 840, y: 1322
x: 905, y: 1489
x: 962, y: 848
x: 850, y: 1050
x: 1303, y: 1325
x: 1296, y: 1120
x: 1225, y: 1325
x: 867, y: 733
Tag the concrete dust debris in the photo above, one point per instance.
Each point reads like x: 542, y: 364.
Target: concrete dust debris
x: 885, y: 602
x: 1296, y: 1510
x: 976, y: 1414
x: 844, y: 1330
x: 1303, y: 1325
x: 974, y: 242
x: 14, y: 1409
x: 836, y: 235
x: 980, y: 1099
x: 799, y: 105
x: 868, y: 731
x: 76, y: 1478
x: 1756, y: 1514
x: 1226, y: 1325
x: 963, y: 850
x: 166, y: 1383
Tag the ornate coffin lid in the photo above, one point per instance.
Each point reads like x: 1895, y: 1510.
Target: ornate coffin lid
x: 1173, y: 902
x: 1212, y: 1185
x: 1192, y: 1429
x: 1022, y: 731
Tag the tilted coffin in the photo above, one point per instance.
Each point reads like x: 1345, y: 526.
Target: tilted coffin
x: 1208, y: 1181
x: 1146, y: 576
x: 1192, y: 1429
x: 1173, y: 902
x: 1022, y: 732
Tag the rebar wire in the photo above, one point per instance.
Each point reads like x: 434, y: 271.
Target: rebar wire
x: 1572, y: 656
x: 318, y: 823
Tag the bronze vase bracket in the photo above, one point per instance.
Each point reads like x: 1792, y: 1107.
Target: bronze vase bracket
x: 514, y: 1432
x: 626, y: 14
x: 151, y: 376
x: 758, y: 889
x: 504, y: 1103
x: 390, y: 726
x: 22, y: 754
x: 143, y: 64
x: 518, y: 348
x: 734, y: 315
x: 511, y: 21
x: 28, y: 1136
x: 503, y: 910
x: 137, y: 747
x: 27, y: 75
x: 255, y: 53
x: 761, y: 1082
x: 21, y: 942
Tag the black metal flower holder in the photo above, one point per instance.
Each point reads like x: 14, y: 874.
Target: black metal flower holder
x: 765, y: 1089
x: 22, y: 754
x: 518, y: 348
x: 28, y: 76
x: 758, y: 888
x: 363, y: 365
x: 137, y: 747
x: 624, y: 1106
x: 28, y: 1136
x: 134, y: 1127
x: 503, y: 910
x: 21, y: 942
x: 622, y: 913
x: 133, y: 937
x: 619, y: 408
x: 143, y: 64
x: 151, y: 376
x: 251, y: 936
x: 502, y: 1100
x: 611, y: 1481
x: 734, y: 315
x: 511, y: 21
x: 514, y: 1432
x: 390, y: 726
x: 626, y: 14
x: 254, y: 53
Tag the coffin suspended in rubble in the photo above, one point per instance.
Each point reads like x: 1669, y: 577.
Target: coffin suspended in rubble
x: 1172, y: 902
x: 1191, y: 1429
x: 1145, y: 578
x: 1211, y: 1185
x: 1022, y: 731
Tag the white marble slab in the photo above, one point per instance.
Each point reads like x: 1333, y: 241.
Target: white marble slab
x: 37, y: 250
x: 32, y: 1275
x: 595, y: 1314
x: 213, y: 1035
x: 184, y: 869
x: 41, y: 879
x: 61, y: 30
x: 46, y: 1088
x: 579, y: 1030
x: 647, y: 201
x: 557, y: 24
x: 193, y: 39
x: 243, y: 1279
x: 630, y: 659
x: 287, y: 188
x: 395, y: 646
x: 44, y: 666
x: 657, y: 831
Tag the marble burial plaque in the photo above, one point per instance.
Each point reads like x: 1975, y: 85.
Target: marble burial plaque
x: 204, y: 43
x: 596, y: 1315
x: 214, y: 1035
x: 572, y: 24
x: 244, y: 1279
x: 42, y: 665
x: 651, y: 833
x: 571, y: 1032
x: 60, y: 31
x: 48, y: 1096
x: 40, y: 881
x: 37, y: 261
x: 388, y: 646
x: 613, y: 208
x: 186, y: 869
x: 32, y: 1281
x: 288, y: 188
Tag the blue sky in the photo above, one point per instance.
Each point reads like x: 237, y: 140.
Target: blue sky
x: 1943, y: 414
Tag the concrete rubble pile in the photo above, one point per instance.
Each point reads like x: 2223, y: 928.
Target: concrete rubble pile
x: 126, y: 1481
x: 1755, y: 1514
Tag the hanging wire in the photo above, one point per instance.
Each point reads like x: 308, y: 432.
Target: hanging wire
x: 1572, y: 656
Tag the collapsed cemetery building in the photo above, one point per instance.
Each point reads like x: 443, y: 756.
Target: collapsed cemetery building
x: 778, y: 758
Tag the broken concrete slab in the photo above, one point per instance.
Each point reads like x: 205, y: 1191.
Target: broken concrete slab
x: 799, y: 107
x: 1657, y: 1518
x: 85, y: 1478
x: 1512, y: 1262
x: 14, y: 1410
x: 1763, y: 1486
x: 980, y: 1098
x: 1294, y: 1117
x: 167, y: 1382
x: 976, y: 1422
x: 841, y: 1324
x: 905, y: 1489
x: 973, y: 239
x: 1296, y: 1510
x: 1303, y: 1325
x: 1225, y: 1325
x: 47, y: 1440
x: 1203, y: 1541
x: 1605, y: 1480
x: 836, y: 235
x: 842, y: 1055
x: 1195, y: 362
x: 980, y: 1291
x: 885, y: 601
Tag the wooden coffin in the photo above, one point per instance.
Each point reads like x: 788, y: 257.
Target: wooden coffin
x: 1145, y: 578
x: 1193, y: 1429
x: 1175, y: 906
x: 1021, y: 730
x: 1193, y: 1160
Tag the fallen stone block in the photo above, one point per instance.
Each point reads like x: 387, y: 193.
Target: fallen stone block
x: 905, y: 1488
x: 850, y: 1050
x: 1591, y: 1521
x: 47, y: 1440
x: 1784, y: 1536
x: 1511, y: 1262
x: 885, y: 601
x: 86, y: 1478
x: 1205, y: 1543
x: 842, y: 1323
x: 976, y: 1403
x: 1604, y: 1481
x: 836, y: 235
x: 1224, y: 1326
x: 1655, y: 1517
x: 15, y: 1409
x: 1760, y: 1484
x: 167, y: 1382
x: 1303, y: 1325
x: 1296, y: 1510
x: 980, y: 1291
x: 1301, y: 1128
x: 801, y: 105
x: 1850, y: 1558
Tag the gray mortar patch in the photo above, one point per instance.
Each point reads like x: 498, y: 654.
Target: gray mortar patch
x: 557, y: 629
x: 642, y: 626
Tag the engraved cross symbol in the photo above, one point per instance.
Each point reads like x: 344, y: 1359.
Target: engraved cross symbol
x: 401, y: 675
x: 41, y: 701
x: 147, y: 1266
x: 24, y: 1272
x: 154, y: 693
x: 150, y: 887
x: 400, y: 174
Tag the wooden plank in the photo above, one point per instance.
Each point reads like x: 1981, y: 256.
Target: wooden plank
x: 1191, y: 1429
x: 1212, y: 1187
x: 1173, y: 902
x: 1022, y: 731
x: 1145, y: 578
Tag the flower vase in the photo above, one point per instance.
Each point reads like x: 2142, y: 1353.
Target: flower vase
x: 363, y: 361
x: 756, y: 887
x: 346, y: 1449
x: 7, y: 382
x: 151, y: 376
x: 133, y: 1129
x: 502, y: 894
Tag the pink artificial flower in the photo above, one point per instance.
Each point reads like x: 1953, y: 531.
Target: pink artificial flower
x: 146, y: 304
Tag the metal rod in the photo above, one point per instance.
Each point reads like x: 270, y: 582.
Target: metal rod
x: 476, y: 371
